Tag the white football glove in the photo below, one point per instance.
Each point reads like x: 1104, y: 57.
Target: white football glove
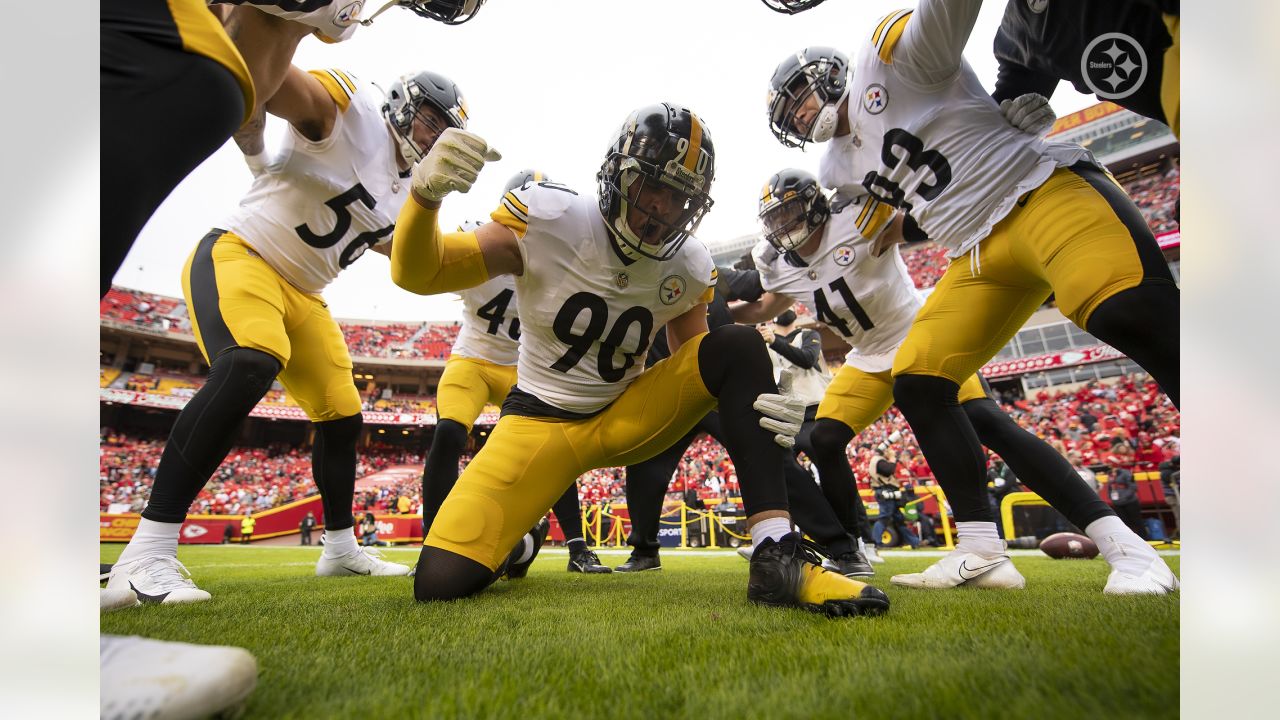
x: 1029, y: 113
x: 452, y: 164
x: 783, y: 412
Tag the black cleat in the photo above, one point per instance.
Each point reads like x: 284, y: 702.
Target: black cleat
x: 587, y: 562
x: 850, y: 564
x: 788, y: 573
x: 517, y: 570
x: 638, y: 563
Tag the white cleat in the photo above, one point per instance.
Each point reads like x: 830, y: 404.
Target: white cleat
x: 1158, y: 579
x: 116, y: 598
x: 144, y: 678
x: 156, y: 579
x: 960, y: 567
x: 869, y: 552
x: 364, y: 561
x: 745, y: 551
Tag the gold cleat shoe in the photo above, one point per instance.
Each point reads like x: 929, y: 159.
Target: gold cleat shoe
x: 788, y: 573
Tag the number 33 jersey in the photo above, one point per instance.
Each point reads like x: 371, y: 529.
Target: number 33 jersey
x: 318, y: 206
x: 588, y: 315
x: 940, y: 150
x: 869, y: 301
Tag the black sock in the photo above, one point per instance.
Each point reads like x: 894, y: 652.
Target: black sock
x: 569, y: 514
x: 206, y: 428
x: 333, y: 463
x: 577, y: 545
x: 440, y: 472
x: 948, y: 441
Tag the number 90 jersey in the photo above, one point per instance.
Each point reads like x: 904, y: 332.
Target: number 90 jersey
x: 869, y: 301
x: 588, y: 315
x: 943, y: 152
x: 318, y: 206
x: 490, y: 319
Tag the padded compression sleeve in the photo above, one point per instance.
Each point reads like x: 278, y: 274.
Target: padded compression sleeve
x: 426, y: 261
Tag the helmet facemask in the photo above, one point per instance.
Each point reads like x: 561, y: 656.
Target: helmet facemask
x: 822, y: 82
x: 656, y: 210
x: 791, y: 7
x: 792, y: 210
x: 402, y: 111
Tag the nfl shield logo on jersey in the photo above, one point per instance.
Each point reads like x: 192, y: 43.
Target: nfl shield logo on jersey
x: 843, y: 255
x: 875, y: 98
x: 671, y: 290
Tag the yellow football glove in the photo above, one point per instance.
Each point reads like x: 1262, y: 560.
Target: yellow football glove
x: 452, y: 165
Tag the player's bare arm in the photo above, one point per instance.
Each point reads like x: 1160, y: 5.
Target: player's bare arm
x: 266, y: 43
x: 687, y: 326
x: 304, y: 103
x: 769, y: 306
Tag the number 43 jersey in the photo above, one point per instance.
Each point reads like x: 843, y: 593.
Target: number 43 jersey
x: 318, y: 206
x: 939, y: 149
x: 869, y: 301
x: 588, y: 315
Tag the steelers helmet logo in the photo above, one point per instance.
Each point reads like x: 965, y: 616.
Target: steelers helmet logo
x: 843, y: 255
x: 349, y: 14
x: 1114, y: 66
x: 671, y: 290
x: 875, y: 98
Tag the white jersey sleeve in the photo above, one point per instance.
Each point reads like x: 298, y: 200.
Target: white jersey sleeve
x: 931, y: 46
x: 588, y: 314
x: 318, y: 206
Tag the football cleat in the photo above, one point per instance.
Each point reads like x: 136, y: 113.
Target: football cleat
x: 156, y: 579
x: 144, y: 678
x: 587, y: 562
x: 870, y: 552
x: 538, y: 536
x: 960, y: 567
x: 787, y: 573
x: 1158, y: 579
x: 364, y: 561
x: 849, y: 564
x: 116, y: 598
x: 745, y: 551
x: 640, y: 563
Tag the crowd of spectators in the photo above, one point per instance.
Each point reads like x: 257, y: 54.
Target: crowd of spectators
x: 145, y: 310
x: 1156, y: 195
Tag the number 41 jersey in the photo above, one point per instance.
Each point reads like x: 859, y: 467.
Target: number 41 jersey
x: 588, y: 315
x: 869, y: 301
x: 318, y: 206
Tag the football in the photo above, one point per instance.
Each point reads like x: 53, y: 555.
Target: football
x: 1069, y: 545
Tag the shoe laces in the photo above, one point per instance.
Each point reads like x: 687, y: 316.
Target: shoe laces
x: 166, y: 570
x: 807, y: 550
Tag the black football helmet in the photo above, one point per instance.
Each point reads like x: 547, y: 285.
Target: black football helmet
x: 791, y: 7
x: 792, y: 209
x: 655, y: 183
x: 814, y: 71
x: 404, y: 103
x: 523, y: 177
x: 449, y: 12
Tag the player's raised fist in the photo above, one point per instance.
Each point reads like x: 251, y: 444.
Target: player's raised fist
x: 452, y: 165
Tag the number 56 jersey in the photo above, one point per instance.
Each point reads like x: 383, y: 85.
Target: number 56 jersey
x: 869, y: 301
x: 318, y: 206
x: 588, y: 313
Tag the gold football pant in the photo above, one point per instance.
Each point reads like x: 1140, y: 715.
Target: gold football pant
x: 237, y: 300
x: 469, y: 383
x: 528, y: 462
x: 858, y: 398
x: 1065, y: 237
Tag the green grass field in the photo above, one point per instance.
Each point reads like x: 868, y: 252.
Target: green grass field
x: 682, y: 642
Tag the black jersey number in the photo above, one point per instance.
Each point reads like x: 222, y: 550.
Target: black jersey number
x: 901, y: 147
x: 340, y: 205
x: 825, y: 314
x: 597, y: 318
x: 495, y: 311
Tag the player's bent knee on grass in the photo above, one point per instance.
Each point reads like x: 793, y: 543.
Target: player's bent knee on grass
x: 444, y: 575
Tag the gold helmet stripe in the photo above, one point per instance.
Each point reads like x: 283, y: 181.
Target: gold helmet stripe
x: 695, y: 143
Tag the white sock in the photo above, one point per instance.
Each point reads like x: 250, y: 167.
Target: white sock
x: 773, y: 528
x: 339, y: 542
x: 1120, y: 546
x: 526, y: 548
x: 151, y: 538
x: 979, y: 537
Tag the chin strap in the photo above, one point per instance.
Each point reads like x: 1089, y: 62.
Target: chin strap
x: 384, y: 8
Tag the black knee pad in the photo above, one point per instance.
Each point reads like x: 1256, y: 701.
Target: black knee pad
x: 910, y: 391
x: 830, y: 437
x: 341, y: 432
x: 450, y: 436
x: 444, y: 575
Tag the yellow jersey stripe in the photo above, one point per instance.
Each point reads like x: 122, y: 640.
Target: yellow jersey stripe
x: 695, y: 143
x: 891, y: 35
x: 863, y: 215
x: 504, y: 216
x: 708, y: 295
x: 334, y: 87
x: 875, y: 36
x: 511, y: 197
x: 350, y: 85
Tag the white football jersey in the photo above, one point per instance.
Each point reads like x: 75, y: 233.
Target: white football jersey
x: 332, y: 20
x: 868, y: 301
x: 588, y: 317
x: 317, y: 206
x: 490, y: 322
x: 940, y: 147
